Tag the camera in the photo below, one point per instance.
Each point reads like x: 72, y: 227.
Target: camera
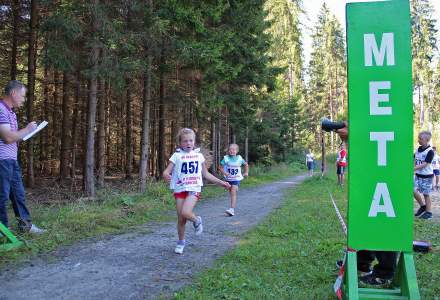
x: 328, y: 125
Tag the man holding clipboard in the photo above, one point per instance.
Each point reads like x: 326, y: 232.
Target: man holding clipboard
x: 11, y: 183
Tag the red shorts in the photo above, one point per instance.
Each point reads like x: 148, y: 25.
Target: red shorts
x: 183, y: 195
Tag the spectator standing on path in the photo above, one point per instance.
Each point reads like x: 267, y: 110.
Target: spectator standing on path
x: 184, y: 172
x: 310, y: 162
x: 341, y: 164
x: 11, y: 183
x: 435, y: 169
x: 423, y: 175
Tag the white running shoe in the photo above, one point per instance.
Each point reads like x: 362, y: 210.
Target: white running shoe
x: 230, y: 212
x: 198, y: 226
x: 179, y: 249
x: 35, y: 230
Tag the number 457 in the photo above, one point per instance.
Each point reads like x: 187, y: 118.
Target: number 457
x: 190, y: 167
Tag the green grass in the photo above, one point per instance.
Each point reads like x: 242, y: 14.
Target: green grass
x: 112, y: 213
x: 428, y: 265
x: 292, y: 254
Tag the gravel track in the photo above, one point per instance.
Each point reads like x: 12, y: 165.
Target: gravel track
x: 142, y: 265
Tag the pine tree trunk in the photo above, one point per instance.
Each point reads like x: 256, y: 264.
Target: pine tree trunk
x: 323, y: 154
x: 129, y: 136
x: 91, y: 122
x: 65, y: 130
x: 246, y: 145
x: 161, y: 141
x: 219, y: 134
x: 91, y: 113
x: 31, y: 88
x: 186, y: 114
x: 173, y: 131
x: 101, y: 134
x: 146, y: 99
x: 154, y: 142
x: 107, y: 124
x: 422, y: 108
x: 120, y: 143
x: 336, y: 91
x: 290, y: 81
x: 216, y: 159
x: 75, y: 120
x: 227, y: 131
x: 428, y: 107
x: 15, y: 31
x: 54, y: 139
x: 330, y: 104
x: 44, y: 142
x: 83, y: 144
x: 146, y: 110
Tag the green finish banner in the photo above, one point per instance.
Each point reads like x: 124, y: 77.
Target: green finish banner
x: 380, y: 119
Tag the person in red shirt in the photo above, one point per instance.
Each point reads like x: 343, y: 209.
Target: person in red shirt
x: 341, y: 164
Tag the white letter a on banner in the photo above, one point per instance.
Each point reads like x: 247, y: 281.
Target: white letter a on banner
x: 381, y: 192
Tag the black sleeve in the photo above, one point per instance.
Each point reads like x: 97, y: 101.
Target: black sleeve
x: 429, y: 156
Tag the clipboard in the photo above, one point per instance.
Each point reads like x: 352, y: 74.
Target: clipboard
x: 38, y: 129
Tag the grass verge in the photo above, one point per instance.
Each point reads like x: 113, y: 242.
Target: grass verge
x: 292, y: 254
x: 112, y: 213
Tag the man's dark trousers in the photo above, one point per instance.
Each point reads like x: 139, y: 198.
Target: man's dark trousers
x: 387, y: 262
x: 11, y: 187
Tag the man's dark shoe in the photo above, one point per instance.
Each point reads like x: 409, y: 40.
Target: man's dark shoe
x: 420, y: 211
x: 364, y: 270
x: 372, y: 279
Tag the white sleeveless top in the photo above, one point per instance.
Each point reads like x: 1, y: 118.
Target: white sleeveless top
x: 435, y: 162
x: 187, y: 171
x: 420, y: 159
x: 232, y: 167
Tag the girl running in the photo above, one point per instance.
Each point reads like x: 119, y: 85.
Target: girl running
x: 232, y: 172
x: 184, y: 172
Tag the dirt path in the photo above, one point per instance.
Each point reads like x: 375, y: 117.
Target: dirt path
x: 142, y: 265
x: 435, y: 197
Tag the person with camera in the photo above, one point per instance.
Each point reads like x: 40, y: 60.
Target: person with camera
x: 383, y: 272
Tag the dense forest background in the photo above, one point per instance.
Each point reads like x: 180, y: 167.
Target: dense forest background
x: 117, y: 79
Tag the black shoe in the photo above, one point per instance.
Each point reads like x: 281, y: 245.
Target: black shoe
x: 371, y: 279
x: 420, y: 211
x: 364, y: 270
x: 426, y: 216
x: 339, y: 264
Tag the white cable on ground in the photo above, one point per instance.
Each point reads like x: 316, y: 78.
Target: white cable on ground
x: 337, y: 287
x: 338, y: 213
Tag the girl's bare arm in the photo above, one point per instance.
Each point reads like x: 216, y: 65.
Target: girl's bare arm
x: 214, y: 179
x: 167, y: 172
x: 246, y: 170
